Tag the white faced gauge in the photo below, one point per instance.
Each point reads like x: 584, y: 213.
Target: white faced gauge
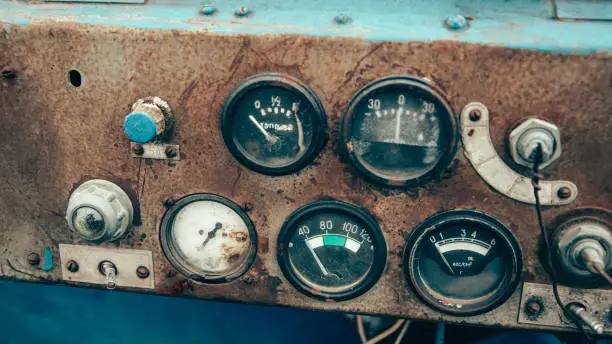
x: 208, y: 238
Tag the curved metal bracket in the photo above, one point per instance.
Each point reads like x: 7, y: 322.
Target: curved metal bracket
x: 479, y: 150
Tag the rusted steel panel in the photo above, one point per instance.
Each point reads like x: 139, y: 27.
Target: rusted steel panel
x: 56, y: 136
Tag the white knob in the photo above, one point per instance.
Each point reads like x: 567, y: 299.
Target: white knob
x: 99, y: 210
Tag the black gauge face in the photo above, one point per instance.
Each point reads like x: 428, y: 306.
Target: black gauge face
x: 399, y: 130
x: 208, y: 238
x: 463, y: 262
x: 273, y: 124
x: 332, y: 250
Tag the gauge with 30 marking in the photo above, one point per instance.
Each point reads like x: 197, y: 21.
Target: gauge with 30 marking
x: 332, y: 250
x: 273, y: 124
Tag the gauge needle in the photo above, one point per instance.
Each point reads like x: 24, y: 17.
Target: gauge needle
x: 398, y: 122
x: 323, y: 269
x: 300, y: 132
x: 271, y: 138
x: 444, y: 259
x: 211, y: 234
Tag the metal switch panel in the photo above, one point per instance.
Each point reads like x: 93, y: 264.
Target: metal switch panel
x: 88, y: 259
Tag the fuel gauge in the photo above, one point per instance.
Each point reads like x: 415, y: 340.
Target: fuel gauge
x: 273, y: 124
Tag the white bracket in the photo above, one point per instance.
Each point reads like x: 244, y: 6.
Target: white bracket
x: 479, y: 150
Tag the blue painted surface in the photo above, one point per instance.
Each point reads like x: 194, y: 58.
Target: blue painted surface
x: 48, y: 261
x: 36, y: 313
x: 518, y: 23
x: 139, y: 126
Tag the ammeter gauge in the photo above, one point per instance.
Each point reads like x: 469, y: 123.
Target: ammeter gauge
x: 399, y: 131
x: 462, y: 262
x: 273, y: 124
x: 332, y: 250
x: 208, y: 238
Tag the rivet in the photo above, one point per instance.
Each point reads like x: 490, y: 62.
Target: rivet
x: 170, y: 151
x: 33, y: 259
x: 456, y: 22
x: 142, y: 272
x: 243, y: 11
x: 138, y: 149
x: 564, y: 192
x: 475, y: 115
x: 72, y: 266
x: 208, y: 10
x: 342, y: 19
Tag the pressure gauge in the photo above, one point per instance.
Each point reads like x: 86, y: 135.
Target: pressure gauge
x: 462, y: 262
x: 273, y: 124
x: 331, y: 250
x: 208, y: 238
x: 399, y: 131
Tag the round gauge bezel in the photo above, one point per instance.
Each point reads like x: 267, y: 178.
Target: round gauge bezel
x: 319, y: 138
x: 179, y: 263
x: 451, y: 217
x: 379, y: 262
x: 448, y: 119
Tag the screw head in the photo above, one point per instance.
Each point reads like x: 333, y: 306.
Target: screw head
x: 170, y: 151
x: 142, y: 272
x: 33, y: 259
x: 208, y: 10
x: 534, y: 307
x: 138, y: 149
x: 342, y: 19
x: 475, y: 115
x: 456, y: 22
x: 564, y: 192
x: 72, y: 266
x: 8, y: 72
x: 242, y: 11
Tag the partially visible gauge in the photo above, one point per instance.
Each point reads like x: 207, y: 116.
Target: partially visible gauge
x: 208, y: 238
x: 462, y: 262
x: 400, y: 131
x: 273, y: 124
x: 332, y: 250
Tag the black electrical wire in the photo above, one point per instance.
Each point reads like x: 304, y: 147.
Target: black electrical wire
x: 535, y: 182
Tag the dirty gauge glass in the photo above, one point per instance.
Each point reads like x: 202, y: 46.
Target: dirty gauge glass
x: 208, y: 238
x: 273, y: 124
x: 399, y: 130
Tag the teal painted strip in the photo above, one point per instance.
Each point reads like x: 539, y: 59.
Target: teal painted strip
x: 48, y: 261
x: 518, y: 24
x: 334, y: 240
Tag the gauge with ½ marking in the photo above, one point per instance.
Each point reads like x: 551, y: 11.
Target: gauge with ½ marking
x: 400, y: 131
x: 208, y: 238
x: 462, y: 262
x: 273, y: 124
x: 332, y: 250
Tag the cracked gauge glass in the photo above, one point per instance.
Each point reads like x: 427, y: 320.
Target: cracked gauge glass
x: 399, y: 130
x: 208, y: 238
x: 273, y: 124
x: 462, y: 262
x: 331, y: 250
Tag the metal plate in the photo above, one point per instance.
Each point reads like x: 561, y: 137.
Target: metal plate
x: 155, y: 151
x: 479, y: 150
x: 89, y: 258
x: 597, y: 301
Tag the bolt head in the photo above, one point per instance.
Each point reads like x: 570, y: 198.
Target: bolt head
x: 242, y: 11
x: 208, y: 10
x: 138, y: 149
x: 475, y: 115
x: 456, y: 22
x: 524, y: 139
x: 170, y: 151
x: 34, y: 259
x: 564, y: 192
x: 142, y: 272
x: 342, y: 19
x: 72, y: 266
x: 533, y: 307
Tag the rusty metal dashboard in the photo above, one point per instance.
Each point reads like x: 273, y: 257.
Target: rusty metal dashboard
x: 334, y: 170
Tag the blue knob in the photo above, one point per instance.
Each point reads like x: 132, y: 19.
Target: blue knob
x: 140, y: 127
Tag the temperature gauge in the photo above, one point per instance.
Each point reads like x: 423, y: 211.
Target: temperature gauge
x: 332, y: 250
x: 462, y: 262
x: 399, y: 130
x: 208, y: 238
x: 273, y: 124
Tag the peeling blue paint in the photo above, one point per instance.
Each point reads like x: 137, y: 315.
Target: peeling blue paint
x: 518, y: 24
x: 48, y: 261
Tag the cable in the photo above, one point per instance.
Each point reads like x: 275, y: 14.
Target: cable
x: 535, y: 182
x: 402, y: 333
x: 602, y: 272
x: 384, y: 334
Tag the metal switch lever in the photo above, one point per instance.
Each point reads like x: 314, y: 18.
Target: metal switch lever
x: 587, y: 318
x: 109, y: 270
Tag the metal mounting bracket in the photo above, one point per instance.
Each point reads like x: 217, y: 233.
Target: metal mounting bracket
x: 479, y: 150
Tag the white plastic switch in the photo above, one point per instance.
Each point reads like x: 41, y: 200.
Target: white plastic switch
x: 99, y: 210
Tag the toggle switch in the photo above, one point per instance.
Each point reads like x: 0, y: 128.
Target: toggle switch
x: 99, y: 210
x: 586, y: 318
x: 525, y: 139
x: 109, y: 270
x: 150, y: 118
